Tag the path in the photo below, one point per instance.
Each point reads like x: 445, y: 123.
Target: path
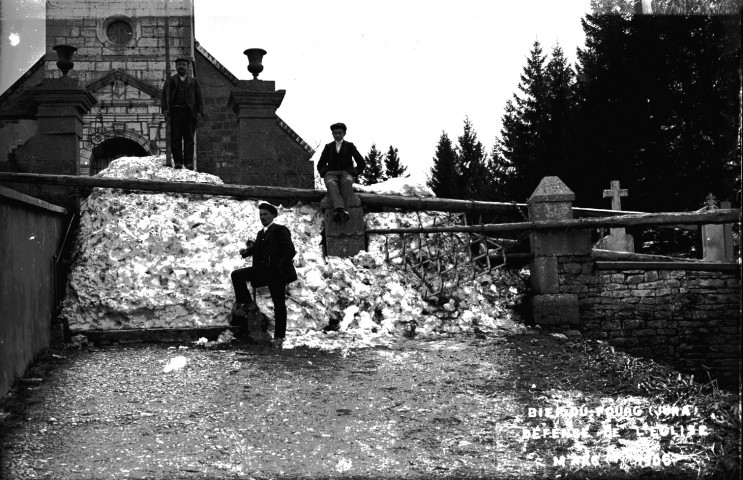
x: 420, y: 409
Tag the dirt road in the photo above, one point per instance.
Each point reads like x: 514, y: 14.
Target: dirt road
x: 450, y: 407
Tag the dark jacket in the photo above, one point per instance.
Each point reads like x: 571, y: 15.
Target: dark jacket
x: 343, y: 160
x: 272, y: 256
x: 193, y: 95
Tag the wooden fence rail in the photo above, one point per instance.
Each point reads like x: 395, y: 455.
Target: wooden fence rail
x: 383, y: 201
x: 258, y: 192
x: 707, y: 218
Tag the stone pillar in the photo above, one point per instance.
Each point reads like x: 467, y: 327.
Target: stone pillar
x: 62, y: 102
x: 553, y: 200
x: 254, y: 103
x: 344, y: 239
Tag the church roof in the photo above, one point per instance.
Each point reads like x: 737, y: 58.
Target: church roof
x: 294, y: 135
x: 216, y: 63
x: 16, y: 101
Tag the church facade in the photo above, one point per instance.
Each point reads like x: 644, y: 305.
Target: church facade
x: 121, y: 60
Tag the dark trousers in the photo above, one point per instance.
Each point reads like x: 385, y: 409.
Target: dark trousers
x: 182, y: 128
x: 277, y: 288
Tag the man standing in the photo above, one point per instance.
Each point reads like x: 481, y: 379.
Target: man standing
x: 272, y: 254
x: 183, y: 108
x: 336, y: 167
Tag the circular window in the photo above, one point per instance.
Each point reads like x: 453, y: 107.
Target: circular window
x: 119, y: 32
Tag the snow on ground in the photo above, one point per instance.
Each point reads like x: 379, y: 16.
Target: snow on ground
x: 145, y: 260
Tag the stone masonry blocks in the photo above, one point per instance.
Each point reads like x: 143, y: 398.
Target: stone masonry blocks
x: 344, y: 239
x: 573, y: 242
x: 556, y: 309
x: 658, y: 308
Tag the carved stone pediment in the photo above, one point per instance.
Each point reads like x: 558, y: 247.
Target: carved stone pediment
x: 117, y: 86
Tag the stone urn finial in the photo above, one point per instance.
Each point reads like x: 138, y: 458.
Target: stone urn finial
x: 255, y: 59
x: 64, y: 57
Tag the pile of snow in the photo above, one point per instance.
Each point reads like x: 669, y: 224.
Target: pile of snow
x: 164, y: 260
x: 175, y: 364
x: 405, y: 186
x: 397, y: 186
x: 153, y: 168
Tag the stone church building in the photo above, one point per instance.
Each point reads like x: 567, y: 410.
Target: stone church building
x: 120, y: 60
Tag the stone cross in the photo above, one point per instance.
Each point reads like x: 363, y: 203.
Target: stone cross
x: 615, y: 193
x: 617, y: 240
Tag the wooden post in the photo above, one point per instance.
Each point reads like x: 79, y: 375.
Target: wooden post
x: 196, y: 126
x: 643, y: 7
x: 717, y: 240
x: 727, y: 235
x: 192, y: 44
x: 168, y: 159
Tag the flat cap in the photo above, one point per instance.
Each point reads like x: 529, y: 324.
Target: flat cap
x: 268, y: 207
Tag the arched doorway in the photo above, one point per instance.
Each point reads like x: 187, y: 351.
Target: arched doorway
x: 112, y: 149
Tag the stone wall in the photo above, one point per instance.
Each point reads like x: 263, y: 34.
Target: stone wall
x: 126, y: 76
x: 84, y: 24
x: 684, y: 314
x: 123, y: 110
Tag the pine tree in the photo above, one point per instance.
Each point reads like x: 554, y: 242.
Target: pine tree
x: 444, y: 177
x: 373, y: 172
x: 658, y: 108
x: 505, y: 152
x: 521, y: 154
x: 560, y: 108
x: 472, y: 162
x: 604, y: 106
x: 392, y: 166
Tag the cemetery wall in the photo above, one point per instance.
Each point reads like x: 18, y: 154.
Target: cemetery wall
x: 676, y: 314
x: 30, y: 234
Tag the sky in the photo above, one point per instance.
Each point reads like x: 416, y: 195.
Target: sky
x: 395, y: 72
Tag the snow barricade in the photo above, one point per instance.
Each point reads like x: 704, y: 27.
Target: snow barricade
x: 405, y: 186
x: 145, y: 260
